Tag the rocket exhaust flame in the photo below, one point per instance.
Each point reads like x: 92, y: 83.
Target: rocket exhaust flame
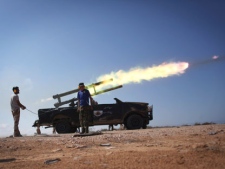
x: 137, y: 75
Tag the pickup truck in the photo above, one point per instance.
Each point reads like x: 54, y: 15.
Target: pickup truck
x: 134, y: 115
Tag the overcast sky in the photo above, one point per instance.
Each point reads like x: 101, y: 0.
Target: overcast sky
x: 48, y: 47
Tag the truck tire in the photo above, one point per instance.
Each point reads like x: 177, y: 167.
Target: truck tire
x: 63, y: 126
x: 134, y: 122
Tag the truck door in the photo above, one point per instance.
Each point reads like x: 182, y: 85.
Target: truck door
x: 105, y: 114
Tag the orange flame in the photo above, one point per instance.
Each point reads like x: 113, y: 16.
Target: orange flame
x: 137, y: 75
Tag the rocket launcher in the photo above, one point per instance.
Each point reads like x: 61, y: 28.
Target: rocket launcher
x: 93, y: 86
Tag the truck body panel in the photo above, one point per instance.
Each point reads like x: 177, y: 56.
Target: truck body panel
x: 102, y: 114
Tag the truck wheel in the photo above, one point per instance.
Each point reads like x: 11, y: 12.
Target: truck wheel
x: 134, y: 122
x: 63, y: 127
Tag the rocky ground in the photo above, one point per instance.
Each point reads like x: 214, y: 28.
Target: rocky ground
x: 201, y: 146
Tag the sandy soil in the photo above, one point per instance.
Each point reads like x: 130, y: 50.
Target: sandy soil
x: 175, y: 147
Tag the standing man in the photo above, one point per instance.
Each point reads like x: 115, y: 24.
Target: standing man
x: 15, y: 108
x: 83, y: 97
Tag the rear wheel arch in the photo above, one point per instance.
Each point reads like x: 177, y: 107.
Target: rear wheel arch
x: 129, y: 114
x: 134, y: 120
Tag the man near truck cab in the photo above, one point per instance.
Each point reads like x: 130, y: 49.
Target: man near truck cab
x: 83, y: 97
x: 15, y: 108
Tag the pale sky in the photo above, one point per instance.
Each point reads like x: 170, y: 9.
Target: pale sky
x: 48, y: 47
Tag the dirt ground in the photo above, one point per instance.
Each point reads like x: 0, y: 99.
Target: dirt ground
x: 175, y: 147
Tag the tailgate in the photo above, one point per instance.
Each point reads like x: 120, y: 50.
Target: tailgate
x: 150, y: 112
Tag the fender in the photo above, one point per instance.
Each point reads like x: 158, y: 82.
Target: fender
x: 131, y: 113
x: 60, y: 117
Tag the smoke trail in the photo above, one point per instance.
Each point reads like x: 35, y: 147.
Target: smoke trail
x: 137, y: 75
x: 214, y: 59
x: 47, y: 99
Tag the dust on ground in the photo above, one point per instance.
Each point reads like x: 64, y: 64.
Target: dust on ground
x: 175, y: 147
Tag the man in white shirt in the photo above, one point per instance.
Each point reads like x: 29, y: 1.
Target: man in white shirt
x: 15, y: 108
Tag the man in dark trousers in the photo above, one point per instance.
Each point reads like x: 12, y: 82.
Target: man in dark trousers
x: 83, y: 97
x: 15, y: 108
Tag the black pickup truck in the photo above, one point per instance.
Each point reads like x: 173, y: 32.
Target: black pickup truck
x: 134, y: 115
